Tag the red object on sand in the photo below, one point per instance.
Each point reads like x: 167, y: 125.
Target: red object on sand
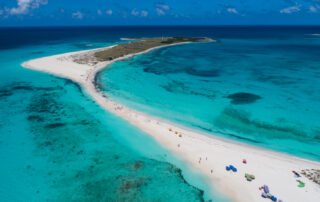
x: 244, y: 161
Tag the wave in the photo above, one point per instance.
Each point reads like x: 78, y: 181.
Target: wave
x: 315, y: 34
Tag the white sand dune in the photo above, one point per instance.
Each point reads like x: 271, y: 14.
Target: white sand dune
x: 205, y: 153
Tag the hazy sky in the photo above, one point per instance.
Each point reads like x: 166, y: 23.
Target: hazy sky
x: 152, y: 12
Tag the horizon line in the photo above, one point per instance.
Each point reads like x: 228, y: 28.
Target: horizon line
x: 164, y: 25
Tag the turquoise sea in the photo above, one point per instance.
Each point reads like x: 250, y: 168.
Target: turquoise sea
x: 257, y: 85
x: 56, y: 144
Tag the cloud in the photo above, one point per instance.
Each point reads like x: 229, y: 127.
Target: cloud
x: 109, y: 12
x: 160, y: 12
x: 77, y: 15
x: 314, y: 8
x: 161, y: 9
x: 134, y: 12
x: 24, y: 6
x: 291, y: 9
x: 232, y: 10
x: 142, y: 13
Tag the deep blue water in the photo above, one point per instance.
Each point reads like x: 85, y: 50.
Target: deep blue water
x: 258, y: 85
x: 57, y: 145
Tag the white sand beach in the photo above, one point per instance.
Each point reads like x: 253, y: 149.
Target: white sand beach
x: 205, y: 153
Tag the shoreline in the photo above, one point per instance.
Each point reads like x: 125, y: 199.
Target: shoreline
x: 205, y: 153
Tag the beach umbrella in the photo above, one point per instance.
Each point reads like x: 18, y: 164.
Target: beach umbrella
x: 234, y: 169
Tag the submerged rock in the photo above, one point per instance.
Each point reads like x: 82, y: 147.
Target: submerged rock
x: 54, y: 125
x: 137, y: 165
x: 132, y: 184
x: 64, y: 130
x: 5, y: 93
x: 243, y: 98
x: 241, y: 122
x: 35, y: 118
x: 203, y: 73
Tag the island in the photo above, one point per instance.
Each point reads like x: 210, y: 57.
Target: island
x: 239, y: 171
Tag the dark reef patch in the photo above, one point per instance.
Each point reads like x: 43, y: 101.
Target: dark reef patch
x: 278, y: 80
x: 316, y: 133
x: 137, y: 165
x: 19, y: 87
x: 131, y: 184
x: 243, y: 98
x: 177, y: 68
x: 175, y: 86
x: 64, y: 132
x: 183, y: 88
x: 54, y: 125
x: 35, y: 118
x: 241, y: 122
x: 5, y: 93
x: 275, y: 78
x: 161, y: 71
x: 203, y: 73
x: 24, y: 87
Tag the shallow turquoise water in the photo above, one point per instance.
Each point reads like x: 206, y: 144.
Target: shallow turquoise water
x: 262, y: 89
x: 58, y: 145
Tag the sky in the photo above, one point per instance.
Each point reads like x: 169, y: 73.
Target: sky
x: 154, y: 12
